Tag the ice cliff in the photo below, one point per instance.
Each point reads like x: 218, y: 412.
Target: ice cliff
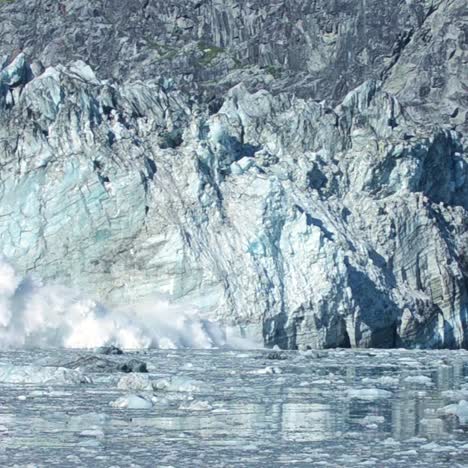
x: 294, y: 168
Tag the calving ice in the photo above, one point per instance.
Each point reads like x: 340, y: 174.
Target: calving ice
x: 183, y: 178
x: 34, y: 314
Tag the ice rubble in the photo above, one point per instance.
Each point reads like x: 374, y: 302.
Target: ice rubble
x: 135, y: 382
x: 179, y: 384
x: 41, y: 375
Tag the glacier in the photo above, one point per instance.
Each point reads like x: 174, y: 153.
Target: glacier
x: 303, y: 222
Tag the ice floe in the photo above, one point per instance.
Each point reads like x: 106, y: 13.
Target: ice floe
x: 419, y: 379
x: 135, y: 382
x: 369, y: 394
x: 132, y: 401
x: 41, y: 375
x: 460, y: 410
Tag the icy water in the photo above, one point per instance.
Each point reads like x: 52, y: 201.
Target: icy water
x: 234, y: 408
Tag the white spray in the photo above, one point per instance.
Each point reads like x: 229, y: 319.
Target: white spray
x: 34, y: 314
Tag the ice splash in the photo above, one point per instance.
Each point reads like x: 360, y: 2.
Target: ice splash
x: 34, y: 314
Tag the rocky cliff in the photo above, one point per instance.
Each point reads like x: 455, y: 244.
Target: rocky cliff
x: 296, y: 168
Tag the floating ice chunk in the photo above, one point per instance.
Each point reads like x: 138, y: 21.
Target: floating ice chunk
x: 406, y: 453
x: 419, y: 379
x: 41, y: 375
x: 38, y: 393
x: 178, y: 384
x: 368, y: 394
x: 434, y: 447
x: 135, y: 382
x: 59, y: 393
x: 431, y: 426
x: 132, y: 401
x: 406, y: 362
x: 196, y: 406
x: 96, y: 432
x: 384, y: 380
x: 455, y: 395
x: 322, y: 382
x: 417, y: 440
x: 267, y: 370
x: 391, y: 441
x: 373, y: 420
x: 220, y: 410
x: 87, y: 421
x: 460, y: 410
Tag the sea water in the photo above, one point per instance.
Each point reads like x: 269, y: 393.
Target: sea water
x: 332, y: 408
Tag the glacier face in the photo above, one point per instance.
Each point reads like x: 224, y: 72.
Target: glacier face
x: 339, y: 222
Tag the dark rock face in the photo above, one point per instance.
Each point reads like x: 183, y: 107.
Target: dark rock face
x: 109, y: 350
x: 315, y: 48
x: 295, y: 168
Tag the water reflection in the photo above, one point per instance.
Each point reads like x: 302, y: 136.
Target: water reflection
x: 314, y: 411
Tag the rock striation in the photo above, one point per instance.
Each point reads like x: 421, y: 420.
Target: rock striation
x: 296, y: 169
